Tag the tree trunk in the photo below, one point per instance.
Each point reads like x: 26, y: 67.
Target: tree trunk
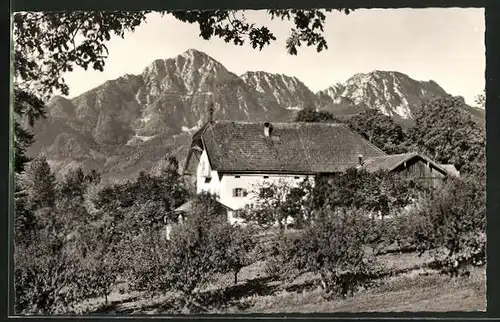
x: 235, y: 278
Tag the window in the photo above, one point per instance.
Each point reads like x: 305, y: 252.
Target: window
x: 240, y: 192
x: 266, y: 177
x: 237, y: 177
x: 297, y: 178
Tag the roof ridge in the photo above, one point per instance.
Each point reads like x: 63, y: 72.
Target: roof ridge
x: 395, y: 155
x: 367, y: 141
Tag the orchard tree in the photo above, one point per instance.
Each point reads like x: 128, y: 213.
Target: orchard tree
x: 332, y: 247
x: 50, y: 275
x: 237, y: 245
x: 197, y: 250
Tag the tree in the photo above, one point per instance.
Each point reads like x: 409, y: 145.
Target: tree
x: 237, y: 246
x: 311, y: 115
x: 332, y: 247
x: 50, y: 275
x: 379, y: 192
x: 454, y: 218
x: 445, y: 132
x: 27, y: 107
x: 39, y: 184
x: 102, y: 254
x: 381, y: 130
x: 197, y: 249
x: 46, y: 45
x: 24, y: 219
x: 143, y: 203
x: 275, y: 203
x: 23, y: 140
x: 75, y: 184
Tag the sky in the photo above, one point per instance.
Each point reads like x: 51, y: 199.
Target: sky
x: 441, y: 44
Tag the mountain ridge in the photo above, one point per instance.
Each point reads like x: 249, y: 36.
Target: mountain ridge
x: 132, y: 122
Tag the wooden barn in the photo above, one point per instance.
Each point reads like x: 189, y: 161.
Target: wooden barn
x: 414, y: 165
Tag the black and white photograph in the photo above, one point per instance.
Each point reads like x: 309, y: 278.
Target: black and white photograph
x: 172, y: 162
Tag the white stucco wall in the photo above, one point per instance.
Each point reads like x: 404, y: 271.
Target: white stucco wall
x: 251, y: 182
x: 224, y: 185
x: 213, y: 185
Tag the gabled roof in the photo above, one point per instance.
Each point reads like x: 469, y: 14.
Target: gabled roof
x: 187, y: 206
x: 292, y: 147
x: 391, y: 162
x: 195, y: 151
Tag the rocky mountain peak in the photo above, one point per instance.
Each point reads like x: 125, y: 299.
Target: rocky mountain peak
x: 128, y: 124
x: 391, y: 92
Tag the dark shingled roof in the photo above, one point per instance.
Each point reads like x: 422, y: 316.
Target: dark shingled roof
x: 391, y: 162
x: 291, y: 148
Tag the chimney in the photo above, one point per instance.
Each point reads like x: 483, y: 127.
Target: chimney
x: 267, y: 129
x: 360, y: 159
x: 211, y: 112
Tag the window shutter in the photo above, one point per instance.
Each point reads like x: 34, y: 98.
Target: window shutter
x: 234, y: 192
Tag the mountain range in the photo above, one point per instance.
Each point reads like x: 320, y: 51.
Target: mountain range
x: 134, y: 122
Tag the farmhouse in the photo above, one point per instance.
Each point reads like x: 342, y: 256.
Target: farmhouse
x: 230, y: 159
